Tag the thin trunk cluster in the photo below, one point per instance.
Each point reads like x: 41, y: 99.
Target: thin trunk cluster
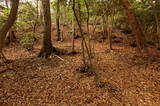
x: 84, y: 45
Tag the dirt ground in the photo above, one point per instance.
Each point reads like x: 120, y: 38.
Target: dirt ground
x: 128, y: 77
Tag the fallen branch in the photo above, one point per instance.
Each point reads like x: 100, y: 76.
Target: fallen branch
x: 59, y: 57
x: 3, y: 56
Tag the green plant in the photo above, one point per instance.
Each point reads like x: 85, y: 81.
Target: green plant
x: 3, y: 16
x: 28, y: 40
x: 26, y: 16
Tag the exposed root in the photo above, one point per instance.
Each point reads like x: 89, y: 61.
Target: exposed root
x: 47, y: 52
x: 72, y: 53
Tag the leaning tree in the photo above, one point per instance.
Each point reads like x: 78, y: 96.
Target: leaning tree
x: 9, y: 23
x: 140, y: 38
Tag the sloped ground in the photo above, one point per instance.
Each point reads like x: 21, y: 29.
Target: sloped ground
x: 128, y: 78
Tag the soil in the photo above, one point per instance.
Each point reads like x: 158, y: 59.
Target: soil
x: 124, y: 77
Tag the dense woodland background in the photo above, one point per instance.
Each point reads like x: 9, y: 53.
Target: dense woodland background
x: 80, y: 52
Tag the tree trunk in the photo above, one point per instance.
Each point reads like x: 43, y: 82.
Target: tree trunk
x: 83, y: 41
x: 140, y: 38
x: 36, y: 19
x: 73, y: 35
x: 40, y: 12
x: 6, y: 2
x: 10, y: 37
x: 47, y: 48
x: 109, y: 30
x: 104, y: 27
x: 57, y: 21
x: 157, y: 17
x: 9, y: 23
x: 88, y: 30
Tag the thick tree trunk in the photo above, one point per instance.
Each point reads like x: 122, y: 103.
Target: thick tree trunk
x: 9, y: 23
x: 57, y: 21
x: 47, y: 48
x: 140, y: 38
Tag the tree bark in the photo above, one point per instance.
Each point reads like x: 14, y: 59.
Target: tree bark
x: 9, y: 23
x: 73, y: 35
x: 140, y: 38
x: 109, y: 30
x: 40, y: 12
x: 57, y: 21
x: 6, y: 2
x: 88, y: 30
x: 47, y: 48
x: 157, y: 18
x: 36, y: 19
x: 83, y: 41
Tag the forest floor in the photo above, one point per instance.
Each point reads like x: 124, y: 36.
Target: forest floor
x: 127, y: 77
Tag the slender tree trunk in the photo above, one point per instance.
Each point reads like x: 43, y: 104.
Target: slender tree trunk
x: 73, y: 35
x: 109, y: 30
x: 57, y: 21
x: 88, y: 30
x: 140, y: 38
x: 47, y: 48
x: 157, y: 17
x: 10, y: 35
x: 158, y: 30
x: 36, y: 20
x: 87, y: 7
x: 6, y: 2
x: 104, y: 26
x: 65, y: 15
x: 40, y: 12
x: 83, y: 42
x: 9, y: 23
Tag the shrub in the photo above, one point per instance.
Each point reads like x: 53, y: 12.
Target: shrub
x: 28, y: 40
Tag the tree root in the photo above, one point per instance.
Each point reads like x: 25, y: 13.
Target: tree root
x: 46, y: 52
